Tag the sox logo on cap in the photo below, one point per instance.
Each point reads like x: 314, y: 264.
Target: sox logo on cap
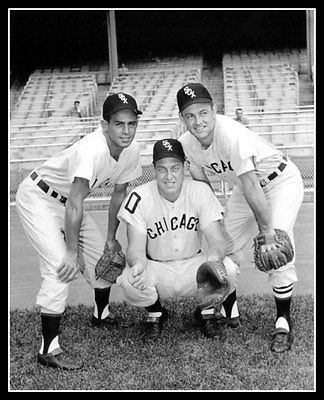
x: 189, y: 92
x: 167, y: 145
x: 122, y: 98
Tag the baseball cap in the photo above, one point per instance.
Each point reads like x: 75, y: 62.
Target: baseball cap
x: 168, y: 148
x: 192, y: 93
x: 117, y: 102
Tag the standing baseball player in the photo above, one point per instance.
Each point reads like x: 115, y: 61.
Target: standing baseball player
x: 268, y: 191
x: 165, y: 220
x: 50, y: 204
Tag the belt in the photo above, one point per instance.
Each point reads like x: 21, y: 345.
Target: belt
x: 274, y: 174
x: 46, y: 188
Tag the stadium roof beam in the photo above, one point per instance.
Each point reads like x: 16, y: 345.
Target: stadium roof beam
x: 310, y: 42
x: 112, y: 44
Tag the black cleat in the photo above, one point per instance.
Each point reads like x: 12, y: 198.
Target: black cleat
x: 281, y: 341
x: 58, y: 359
x: 210, y: 324
x: 153, y: 327
x: 108, y: 322
x: 231, y: 322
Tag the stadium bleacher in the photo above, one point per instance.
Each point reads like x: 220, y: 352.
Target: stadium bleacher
x: 264, y: 84
x: 154, y: 85
x: 52, y: 95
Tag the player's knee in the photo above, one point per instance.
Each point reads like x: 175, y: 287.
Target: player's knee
x: 122, y: 280
x: 236, y: 257
x: 283, y: 276
x: 129, y: 290
x: 136, y: 297
x: 232, y: 271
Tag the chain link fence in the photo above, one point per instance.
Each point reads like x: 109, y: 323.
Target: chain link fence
x: 302, y: 156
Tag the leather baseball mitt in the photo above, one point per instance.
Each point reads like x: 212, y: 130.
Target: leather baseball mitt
x: 111, y: 264
x: 275, y: 258
x: 213, y: 284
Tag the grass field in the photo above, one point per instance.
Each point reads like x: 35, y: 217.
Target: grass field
x: 181, y: 360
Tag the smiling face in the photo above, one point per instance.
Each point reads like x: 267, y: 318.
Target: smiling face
x: 120, y: 129
x: 200, y: 119
x: 169, y: 174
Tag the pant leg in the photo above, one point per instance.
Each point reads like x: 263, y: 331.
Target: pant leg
x: 171, y: 280
x: 240, y: 225
x: 285, y: 195
x: 42, y: 218
x: 91, y: 246
x: 136, y: 297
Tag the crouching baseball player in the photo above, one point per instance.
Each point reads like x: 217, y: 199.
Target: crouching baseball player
x: 50, y: 206
x: 166, y: 220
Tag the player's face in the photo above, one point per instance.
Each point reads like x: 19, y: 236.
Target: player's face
x: 199, y: 119
x: 121, y: 128
x: 169, y: 173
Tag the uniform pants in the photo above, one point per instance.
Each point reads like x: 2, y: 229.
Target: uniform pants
x: 43, y: 218
x: 284, y: 195
x: 172, y: 279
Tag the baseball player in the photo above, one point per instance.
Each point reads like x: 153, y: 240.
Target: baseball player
x: 50, y: 206
x: 165, y: 220
x: 268, y: 188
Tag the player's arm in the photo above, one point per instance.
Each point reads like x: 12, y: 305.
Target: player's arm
x: 257, y: 201
x: 136, y: 256
x: 79, y: 190
x: 216, y: 242
x: 116, y: 200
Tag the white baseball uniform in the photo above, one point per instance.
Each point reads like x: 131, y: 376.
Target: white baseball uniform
x: 43, y: 214
x: 235, y: 150
x: 174, y: 239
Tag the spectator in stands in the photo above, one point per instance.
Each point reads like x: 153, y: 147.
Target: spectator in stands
x: 267, y: 195
x: 76, y: 110
x: 240, y: 118
x: 50, y: 204
x: 123, y: 69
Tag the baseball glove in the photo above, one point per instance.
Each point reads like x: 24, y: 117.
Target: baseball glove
x: 213, y: 284
x: 111, y: 264
x: 275, y: 258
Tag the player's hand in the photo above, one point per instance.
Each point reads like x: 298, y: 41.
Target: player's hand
x: 137, y: 276
x: 69, y: 268
x: 113, y: 245
x: 270, y: 246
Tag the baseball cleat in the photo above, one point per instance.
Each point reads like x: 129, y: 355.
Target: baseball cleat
x: 232, y: 322
x: 281, y: 341
x: 58, y: 359
x: 210, y: 324
x: 108, y: 322
x: 153, y: 326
